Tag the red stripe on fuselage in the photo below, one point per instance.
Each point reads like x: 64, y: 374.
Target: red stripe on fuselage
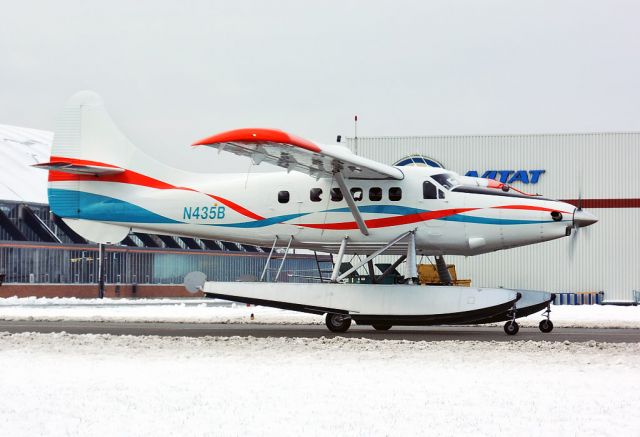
x: 133, y: 178
x: 530, y: 208
x: 390, y: 221
x: 236, y: 207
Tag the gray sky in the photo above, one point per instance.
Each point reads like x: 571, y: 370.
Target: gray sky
x: 172, y: 72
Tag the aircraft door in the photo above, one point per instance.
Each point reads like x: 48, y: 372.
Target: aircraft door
x: 430, y: 233
x: 432, y: 200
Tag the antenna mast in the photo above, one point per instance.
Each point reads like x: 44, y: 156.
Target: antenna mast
x: 355, y: 137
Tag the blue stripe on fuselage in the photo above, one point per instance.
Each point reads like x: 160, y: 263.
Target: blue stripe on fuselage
x: 91, y: 206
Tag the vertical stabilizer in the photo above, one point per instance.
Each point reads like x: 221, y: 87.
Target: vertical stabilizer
x: 85, y: 135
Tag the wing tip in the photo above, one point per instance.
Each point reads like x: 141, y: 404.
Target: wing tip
x: 258, y: 135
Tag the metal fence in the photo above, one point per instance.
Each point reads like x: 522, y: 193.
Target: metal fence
x: 55, y: 263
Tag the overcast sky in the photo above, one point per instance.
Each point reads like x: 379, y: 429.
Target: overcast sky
x: 171, y: 72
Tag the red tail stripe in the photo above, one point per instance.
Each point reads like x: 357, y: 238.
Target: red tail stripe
x: 134, y: 178
x: 55, y: 159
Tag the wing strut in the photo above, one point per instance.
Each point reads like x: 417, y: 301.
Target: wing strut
x: 352, y: 204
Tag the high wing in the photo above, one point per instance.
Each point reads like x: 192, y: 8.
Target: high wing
x: 297, y: 154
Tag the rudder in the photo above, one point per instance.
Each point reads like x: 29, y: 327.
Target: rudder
x: 86, y: 135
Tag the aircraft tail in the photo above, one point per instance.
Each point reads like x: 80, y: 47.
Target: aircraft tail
x: 89, y: 148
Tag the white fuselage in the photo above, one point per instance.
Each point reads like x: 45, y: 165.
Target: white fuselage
x: 254, y: 209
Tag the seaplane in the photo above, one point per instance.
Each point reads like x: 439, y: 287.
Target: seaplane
x: 328, y: 200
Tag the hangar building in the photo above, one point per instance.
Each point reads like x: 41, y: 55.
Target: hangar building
x: 601, y: 168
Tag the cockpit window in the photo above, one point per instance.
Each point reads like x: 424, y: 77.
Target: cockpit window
x: 446, y: 180
x: 429, y: 190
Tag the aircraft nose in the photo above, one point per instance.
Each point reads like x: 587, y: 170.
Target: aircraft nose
x: 583, y: 218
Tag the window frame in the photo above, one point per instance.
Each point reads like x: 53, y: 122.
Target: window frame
x: 380, y: 194
x: 318, y: 194
x: 353, y: 190
x: 281, y: 195
x: 433, y: 187
x: 394, y: 199
x: 336, y: 198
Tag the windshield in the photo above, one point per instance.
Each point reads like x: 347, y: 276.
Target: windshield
x: 446, y: 180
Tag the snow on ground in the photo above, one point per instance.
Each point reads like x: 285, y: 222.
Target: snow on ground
x: 146, y: 310
x: 217, y: 311
x: 61, y: 384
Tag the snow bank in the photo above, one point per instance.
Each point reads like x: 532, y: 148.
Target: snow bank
x: 146, y: 310
x: 217, y: 311
x: 60, y: 384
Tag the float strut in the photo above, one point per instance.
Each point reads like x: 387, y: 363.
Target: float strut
x: 338, y: 263
x: 284, y: 258
x: 266, y: 264
x: 391, y: 268
x: 374, y: 254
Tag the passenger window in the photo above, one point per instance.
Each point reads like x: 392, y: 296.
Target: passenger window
x: 429, y: 190
x: 395, y: 194
x: 315, y: 194
x: 375, y: 194
x: 283, y: 196
x: 356, y: 193
x: 336, y: 194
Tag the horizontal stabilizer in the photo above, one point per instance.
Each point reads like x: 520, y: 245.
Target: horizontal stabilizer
x: 81, y: 169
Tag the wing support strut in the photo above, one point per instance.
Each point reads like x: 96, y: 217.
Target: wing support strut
x: 351, y: 203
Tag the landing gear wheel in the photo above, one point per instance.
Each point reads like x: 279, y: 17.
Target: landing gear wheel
x: 337, y: 322
x: 546, y: 326
x: 382, y: 326
x: 511, y: 327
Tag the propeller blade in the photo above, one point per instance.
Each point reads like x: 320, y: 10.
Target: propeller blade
x: 580, y: 201
x: 573, y: 242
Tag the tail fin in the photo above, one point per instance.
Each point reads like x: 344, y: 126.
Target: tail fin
x: 85, y: 131
x: 86, y: 142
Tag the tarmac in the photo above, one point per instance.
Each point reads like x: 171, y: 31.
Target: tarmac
x: 428, y: 333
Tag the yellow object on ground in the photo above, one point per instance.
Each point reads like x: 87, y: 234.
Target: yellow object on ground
x: 428, y: 274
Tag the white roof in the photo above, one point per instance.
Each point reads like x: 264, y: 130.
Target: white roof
x: 19, y: 149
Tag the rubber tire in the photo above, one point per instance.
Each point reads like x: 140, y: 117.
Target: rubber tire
x: 382, y: 326
x: 546, y: 326
x: 511, y: 327
x: 337, y: 322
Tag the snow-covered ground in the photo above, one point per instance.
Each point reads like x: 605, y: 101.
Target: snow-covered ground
x: 216, y: 311
x: 61, y: 384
